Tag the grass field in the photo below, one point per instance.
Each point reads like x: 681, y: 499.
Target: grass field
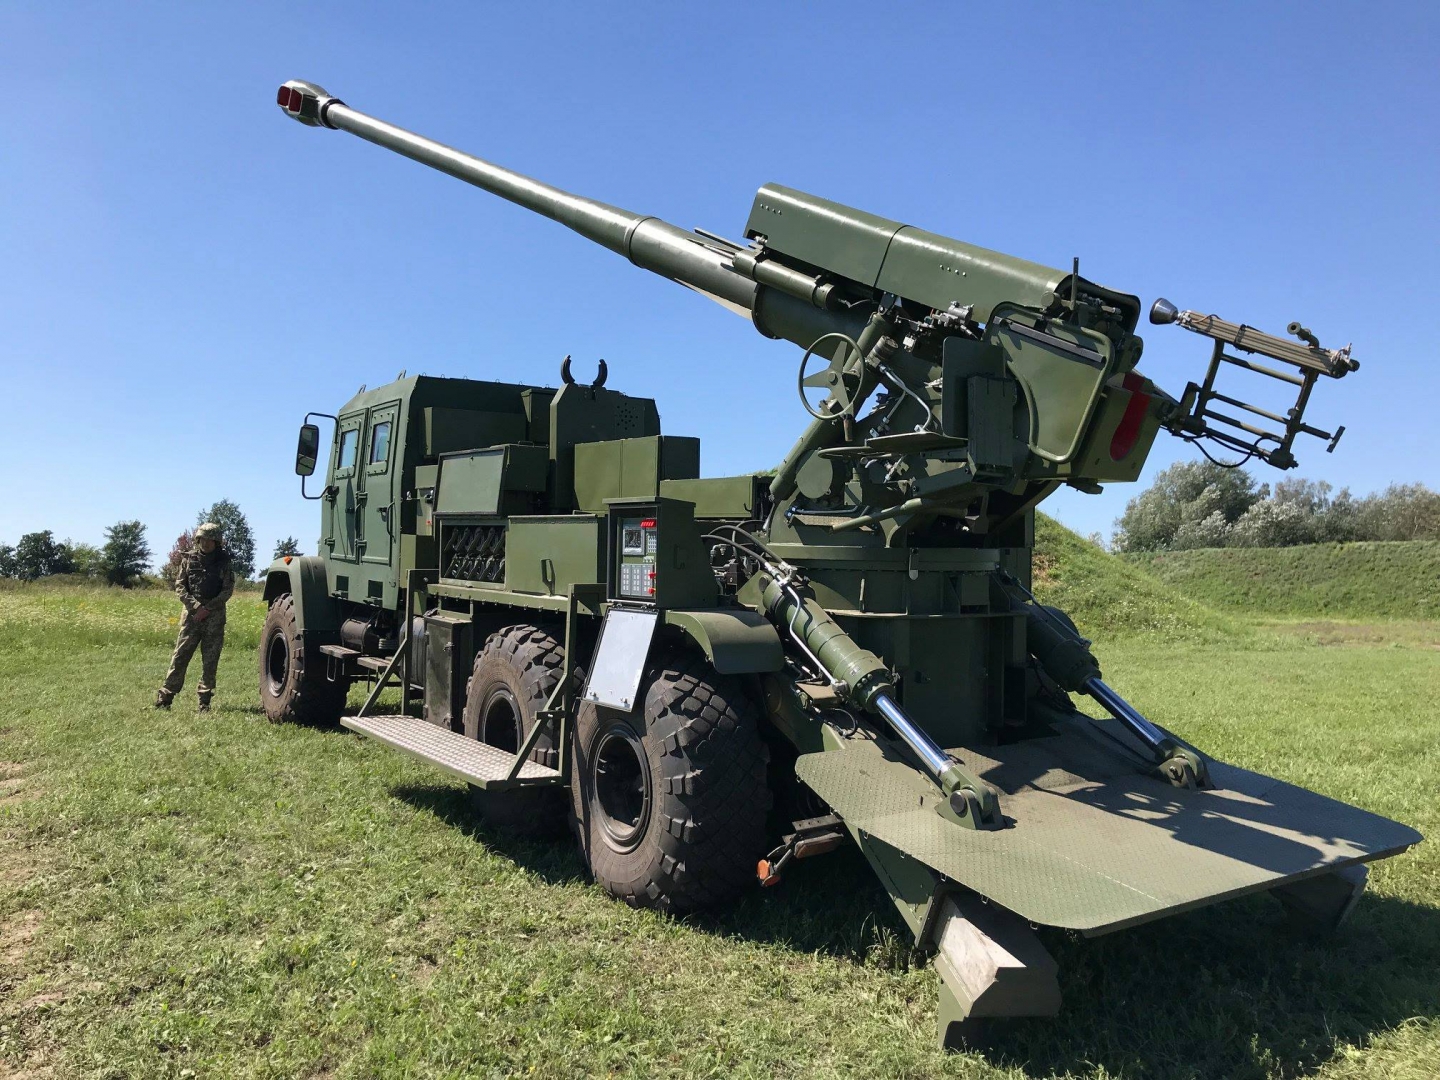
x: 216, y: 896
x: 1314, y: 581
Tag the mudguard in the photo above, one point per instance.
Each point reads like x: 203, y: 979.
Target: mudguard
x: 739, y: 642
x: 307, y: 579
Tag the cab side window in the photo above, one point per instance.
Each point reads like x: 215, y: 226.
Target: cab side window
x: 380, y: 443
x: 348, y: 441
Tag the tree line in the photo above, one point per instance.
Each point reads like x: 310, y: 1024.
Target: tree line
x: 1199, y: 504
x: 125, y: 557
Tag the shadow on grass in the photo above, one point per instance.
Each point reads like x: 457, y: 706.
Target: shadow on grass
x: 256, y: 711
x: 554, y: 861
x: 1231, y: 991
x: 1226, y: 991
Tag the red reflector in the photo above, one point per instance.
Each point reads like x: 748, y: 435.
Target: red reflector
x: 287, y: 559
x: 648, y: 523
x: 283, y: 98
x: 1127, y: 432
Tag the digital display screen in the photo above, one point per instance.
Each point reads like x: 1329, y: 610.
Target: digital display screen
x: 635, y: 573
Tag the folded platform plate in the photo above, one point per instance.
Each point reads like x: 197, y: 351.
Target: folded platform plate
x: 1091, y: 842
x: 484, y: 766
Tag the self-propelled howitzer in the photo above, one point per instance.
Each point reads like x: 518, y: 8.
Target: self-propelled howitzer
x: 864, y: 615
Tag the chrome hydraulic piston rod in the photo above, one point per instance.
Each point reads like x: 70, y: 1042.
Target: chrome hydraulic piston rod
x: 862, y: 678
x: 1126, y: 713
x: 923, y: 746
x: 1066, y: 657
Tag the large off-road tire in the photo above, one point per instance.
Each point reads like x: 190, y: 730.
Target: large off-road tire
x: 670, y: 800
x: 292, y: 690
x: 514, y: 675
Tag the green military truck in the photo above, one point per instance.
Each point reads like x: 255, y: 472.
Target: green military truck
x: 710, y: 678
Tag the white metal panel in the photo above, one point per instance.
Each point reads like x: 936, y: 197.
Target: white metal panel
x: 620, y: 658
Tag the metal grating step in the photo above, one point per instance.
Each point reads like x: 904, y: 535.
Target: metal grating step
x: 374, y: 663
x: 481, y: 765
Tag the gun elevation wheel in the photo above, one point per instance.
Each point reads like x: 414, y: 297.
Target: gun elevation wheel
x: 670, y: 799
x: 841, y: 382
x: 291, y: 691
x: 514, y: 675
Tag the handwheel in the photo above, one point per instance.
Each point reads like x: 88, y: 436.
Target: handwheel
x: 842, y: 385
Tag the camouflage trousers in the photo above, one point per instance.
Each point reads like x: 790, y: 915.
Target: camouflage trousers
x: 208, y: 636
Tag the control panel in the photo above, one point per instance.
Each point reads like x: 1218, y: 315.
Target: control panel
x: 658, y: 556
x: 638, y: 554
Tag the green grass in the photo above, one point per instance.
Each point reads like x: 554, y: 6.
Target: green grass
x: 1110, y: 596
x: 1398, y: 580
x: 217, y: 896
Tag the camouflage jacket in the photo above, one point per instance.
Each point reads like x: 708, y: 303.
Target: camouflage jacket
x: 205, y: 580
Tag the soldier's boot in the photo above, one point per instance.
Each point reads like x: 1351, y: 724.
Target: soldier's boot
x: 163, y: 699
x: 204, y: 705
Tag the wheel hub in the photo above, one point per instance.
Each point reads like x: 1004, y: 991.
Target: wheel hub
x: 620, y: 779
x: 277, y: 664
x: 500, y: 721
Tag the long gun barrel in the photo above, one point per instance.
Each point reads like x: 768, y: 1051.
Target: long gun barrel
x: 859, y: 256
x: 648, y: 242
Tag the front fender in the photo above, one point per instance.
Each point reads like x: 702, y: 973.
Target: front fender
x: 739, y: 642
x: 307, y: 579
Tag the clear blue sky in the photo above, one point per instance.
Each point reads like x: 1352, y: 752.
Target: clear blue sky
x: 186, y: 272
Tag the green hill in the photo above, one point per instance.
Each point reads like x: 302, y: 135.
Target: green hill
x: 1394, y: 580
x: 1108, y: 595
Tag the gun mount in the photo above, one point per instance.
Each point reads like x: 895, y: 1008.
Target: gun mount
x: 867, y: 608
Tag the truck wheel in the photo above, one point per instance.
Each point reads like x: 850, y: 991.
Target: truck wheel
x: 289, y: 691
x: 513, y: 677
x: 670, y: 799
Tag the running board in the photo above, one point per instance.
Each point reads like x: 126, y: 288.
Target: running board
x: 474, y: 762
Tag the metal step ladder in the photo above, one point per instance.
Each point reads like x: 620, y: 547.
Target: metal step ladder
x: 474, y: 762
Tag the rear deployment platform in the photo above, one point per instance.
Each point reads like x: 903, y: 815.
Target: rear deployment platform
x: 1090, y: 842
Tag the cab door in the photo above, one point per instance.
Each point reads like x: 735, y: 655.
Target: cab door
x: 341, y: 498
x: 378, y: 517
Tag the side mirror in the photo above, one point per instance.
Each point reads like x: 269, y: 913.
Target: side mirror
x: 307, y: 451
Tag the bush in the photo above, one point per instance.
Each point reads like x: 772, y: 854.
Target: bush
x: 1187, y: 493
x: 1402, y: 512
x: 126, y: 555
x: 1273, y: 524
x: 1197, y: 504
x: 86, y: 560
x: 38, y: 555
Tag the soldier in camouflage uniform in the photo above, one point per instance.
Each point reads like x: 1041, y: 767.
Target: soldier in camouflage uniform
x: 204, y: 583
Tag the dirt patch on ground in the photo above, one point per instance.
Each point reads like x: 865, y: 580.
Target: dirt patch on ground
x: 15, y: 937
x: 15, y: 785
x: 1400, y: 634
x: 33, y: 1068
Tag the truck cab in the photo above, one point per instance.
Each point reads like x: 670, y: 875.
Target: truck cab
x: 453, y: 507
